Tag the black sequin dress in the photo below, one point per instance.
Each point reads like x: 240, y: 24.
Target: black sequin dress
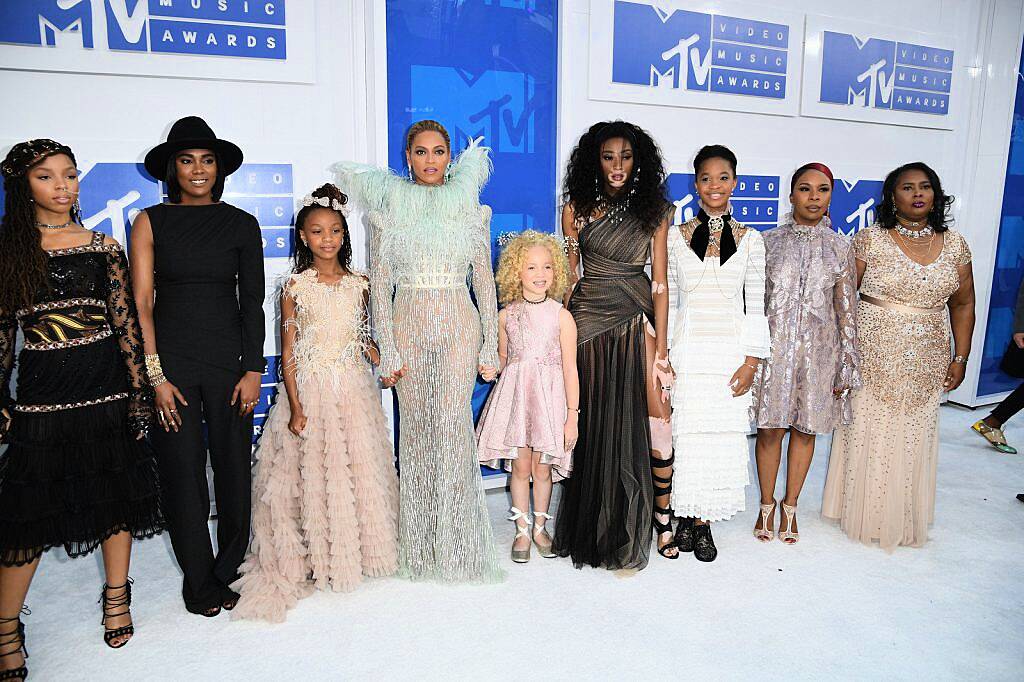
x: 74, y: 473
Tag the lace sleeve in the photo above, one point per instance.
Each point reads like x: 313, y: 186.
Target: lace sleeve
x: 382, y: 289
x: 8, y: 332
x: 844, y: 296
x: 124, y: 322
x: 483, y: 289
x: 755, y: 338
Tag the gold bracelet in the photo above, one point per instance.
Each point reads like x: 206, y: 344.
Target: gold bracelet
x: 154, y: 371
x: 961, y: 359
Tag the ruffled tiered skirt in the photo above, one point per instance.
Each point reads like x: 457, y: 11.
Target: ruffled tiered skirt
x: 74, y: 478
x: 325, y: 505
x: 709, y: 431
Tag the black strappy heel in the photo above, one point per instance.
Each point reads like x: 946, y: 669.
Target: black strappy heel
x: 124, y: 601
x: 7, y: 638
x: 663, y: 486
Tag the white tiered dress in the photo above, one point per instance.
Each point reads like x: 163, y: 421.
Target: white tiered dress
x: 716, y: 318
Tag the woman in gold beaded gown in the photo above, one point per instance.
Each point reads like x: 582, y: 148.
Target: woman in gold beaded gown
x: 428, y: 237
x: 911, y: 268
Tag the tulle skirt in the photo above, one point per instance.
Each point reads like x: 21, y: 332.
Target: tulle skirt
x: 604, y: 517
x: 325, y: 505
x: 73, y: 478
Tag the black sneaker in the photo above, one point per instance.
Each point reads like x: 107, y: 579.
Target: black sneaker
x: 684, y: 534
x: 703, y: 544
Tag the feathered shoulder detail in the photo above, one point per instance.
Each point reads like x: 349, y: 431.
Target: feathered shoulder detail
x: 374, y: 188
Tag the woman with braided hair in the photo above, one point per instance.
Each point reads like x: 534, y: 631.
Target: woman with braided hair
x: 77, y: 473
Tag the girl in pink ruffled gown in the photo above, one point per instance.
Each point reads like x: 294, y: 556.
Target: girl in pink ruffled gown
x: 325, y: 493
x: 530, y: 419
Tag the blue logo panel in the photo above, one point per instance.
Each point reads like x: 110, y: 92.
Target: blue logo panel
x: 755, y: 202
x: 231, y: 28
x: 1009, y: 266
x: 885, y: 74
x: 260, y: 178
x: 698, y: 51
x: 241, y: 11
x: 268, y: 395
x: 854, y: 204
x: 451, y: 62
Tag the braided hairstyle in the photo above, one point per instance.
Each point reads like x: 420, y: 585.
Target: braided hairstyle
x: 22, y: 259
x: 302, y: 256
x: 584, y: 183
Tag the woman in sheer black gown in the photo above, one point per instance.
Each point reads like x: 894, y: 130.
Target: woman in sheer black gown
x: 615, y: 219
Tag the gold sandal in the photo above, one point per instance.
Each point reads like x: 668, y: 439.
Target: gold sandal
x: 994, y: 436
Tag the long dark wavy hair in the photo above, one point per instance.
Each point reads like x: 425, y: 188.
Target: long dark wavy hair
x: 584, y: 183
x: 302, y: 257
x: 22, y: 259
x: 939, y: 217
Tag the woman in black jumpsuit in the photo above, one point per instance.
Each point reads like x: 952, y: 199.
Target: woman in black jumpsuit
x: 197, y: 265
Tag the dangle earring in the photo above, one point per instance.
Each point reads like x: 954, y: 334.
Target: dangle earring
x: 635, y: 183
x: 412, y: 176
x: 448, y: 172
x: 76, y: 212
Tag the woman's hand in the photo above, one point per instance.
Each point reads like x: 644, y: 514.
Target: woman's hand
x: 5, y: 423
x: 390, y: 381
x: 954, y: 375
x: 247, y: 393
x: 166, y: 408
x: 571, y: 431
x: 373, y: 356
x: 297, y: 423
x: 1019, y: 339
x: 742, y: 379
x: 488, y: 372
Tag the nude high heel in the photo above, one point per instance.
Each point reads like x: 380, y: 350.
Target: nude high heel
x: 788, y: 536
x: 765, y: 534
x: 520, y: 556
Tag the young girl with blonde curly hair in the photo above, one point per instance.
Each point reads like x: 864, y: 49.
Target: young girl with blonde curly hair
x: 530, y: 419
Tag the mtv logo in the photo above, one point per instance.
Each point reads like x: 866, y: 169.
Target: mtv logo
x: 112, y: 194
x: 683, y: 195
x: 857, y: 72
x: 499, y: 105
x: 853, y: 205
x: 661, y: 47
x: 94, y: 24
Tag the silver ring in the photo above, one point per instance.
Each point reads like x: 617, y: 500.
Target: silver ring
x: 174, y: 412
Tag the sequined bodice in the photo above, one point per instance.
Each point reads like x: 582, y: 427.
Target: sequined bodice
x: 892, y: 276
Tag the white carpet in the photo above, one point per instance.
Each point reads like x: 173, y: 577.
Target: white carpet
x: 825, y: 608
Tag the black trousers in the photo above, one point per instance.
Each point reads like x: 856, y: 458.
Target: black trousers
x: 181, y: 457
x: 1010, y: 406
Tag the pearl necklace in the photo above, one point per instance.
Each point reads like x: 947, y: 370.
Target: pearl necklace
x: 47, y: 226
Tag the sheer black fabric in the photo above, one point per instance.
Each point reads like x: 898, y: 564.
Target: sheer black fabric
x: 74, y: 472
x: 604, y: 516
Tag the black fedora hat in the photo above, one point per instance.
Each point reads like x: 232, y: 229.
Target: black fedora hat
x: 192, y: 132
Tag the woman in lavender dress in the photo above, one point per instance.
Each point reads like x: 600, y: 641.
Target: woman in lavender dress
x: 811, y: 301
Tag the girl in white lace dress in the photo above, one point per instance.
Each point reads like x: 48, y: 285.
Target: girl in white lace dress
x: 325, y: 493
x: 719, y: 334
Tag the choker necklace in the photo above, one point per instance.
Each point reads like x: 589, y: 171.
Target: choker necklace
x: 47, y: 226
x: 925, y: 231
x: 535, y: 302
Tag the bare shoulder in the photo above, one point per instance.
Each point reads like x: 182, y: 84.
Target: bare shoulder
x: 566, y: 319
x: 108, y: 240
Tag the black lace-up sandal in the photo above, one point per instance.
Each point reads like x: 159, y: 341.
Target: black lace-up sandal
x: 13, y: 632
x: 703, y: 543
x: 684, y: 534
x: 121, y: 604
x: 663, y: 487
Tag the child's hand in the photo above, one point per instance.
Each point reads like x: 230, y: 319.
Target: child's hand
x: 297, y: 423
x: 373, y: 356
x: 488, y: 372
x: 390, y: 381
x: 571, y: 431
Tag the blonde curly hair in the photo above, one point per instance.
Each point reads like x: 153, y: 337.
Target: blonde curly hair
x: 510, y: 286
